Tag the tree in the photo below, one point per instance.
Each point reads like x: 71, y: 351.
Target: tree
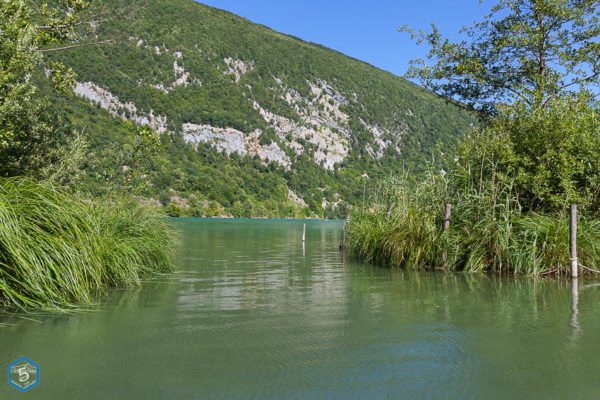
x: 526, y: 50
x: 534, y: 66
x: 34, y: 139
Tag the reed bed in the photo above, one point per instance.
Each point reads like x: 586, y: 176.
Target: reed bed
x: 58, y: 251
x: 488, y: 231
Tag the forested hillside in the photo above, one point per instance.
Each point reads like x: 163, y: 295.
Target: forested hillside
x: 209, y: 114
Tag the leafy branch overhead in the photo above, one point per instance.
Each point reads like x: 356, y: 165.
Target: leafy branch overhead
x: 33, y: 28
x: 28, y: 28
x: 527, y: 50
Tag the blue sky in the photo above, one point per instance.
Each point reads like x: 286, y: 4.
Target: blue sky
x: 366, y: 30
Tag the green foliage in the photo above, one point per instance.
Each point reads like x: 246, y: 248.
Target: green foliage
x: 57, y: 251
x: 31, y: 133
x: 527, y: 50
x: 552, y: 154
x: 510, y: 186
x: 511, y: 182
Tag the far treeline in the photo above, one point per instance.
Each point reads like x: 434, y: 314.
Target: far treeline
x: 532, y: 67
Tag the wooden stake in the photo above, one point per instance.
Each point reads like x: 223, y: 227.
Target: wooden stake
x: 573, y: 240
x: 343, y: 238
x: 447, y: 216
x: 304, y: 233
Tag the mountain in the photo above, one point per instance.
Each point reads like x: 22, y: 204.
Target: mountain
x: 251, y: 122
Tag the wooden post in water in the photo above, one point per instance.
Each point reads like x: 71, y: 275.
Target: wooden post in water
x: 343, y: 237
x: 304, y: 233
x: 447, y: 216
x: 575, y: 307
x: 573, y: 240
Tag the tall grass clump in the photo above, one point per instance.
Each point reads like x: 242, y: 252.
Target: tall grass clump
x: 57, y: 251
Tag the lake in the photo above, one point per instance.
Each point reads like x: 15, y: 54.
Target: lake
x: 252, y: 313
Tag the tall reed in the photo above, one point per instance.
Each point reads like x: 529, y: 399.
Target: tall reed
x: 488, y: 229
x: 58, y: 251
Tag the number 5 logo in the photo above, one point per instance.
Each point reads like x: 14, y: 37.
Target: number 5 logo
x: 23, y: 374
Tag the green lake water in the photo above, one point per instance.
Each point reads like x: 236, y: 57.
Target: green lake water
x: 251, y: 313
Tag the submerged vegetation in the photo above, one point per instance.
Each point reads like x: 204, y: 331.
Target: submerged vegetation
x: 57, y: 250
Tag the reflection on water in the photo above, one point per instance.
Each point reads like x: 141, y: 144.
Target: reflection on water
x: 576, y: 328
x: 251, y: 312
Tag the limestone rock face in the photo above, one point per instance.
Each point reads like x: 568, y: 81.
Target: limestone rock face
x: 125, y: 110
x: 231, y: 140
x: 320, y: 124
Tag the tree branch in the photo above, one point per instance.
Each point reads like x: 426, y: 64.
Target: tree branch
x: 76, y: 46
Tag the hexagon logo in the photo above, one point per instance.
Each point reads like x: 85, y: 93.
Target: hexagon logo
x: 23, y: 374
